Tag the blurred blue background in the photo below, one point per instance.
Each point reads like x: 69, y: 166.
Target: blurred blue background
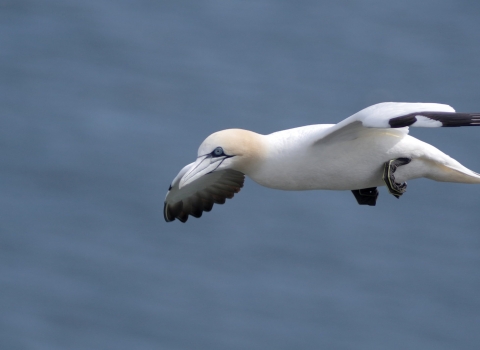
x: 102, y: 103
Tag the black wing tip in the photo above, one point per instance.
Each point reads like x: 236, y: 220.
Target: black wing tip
x: 453, y: 119
x: 166, y: 215
x: 171, y: 213
x: 448, y: 119
x: 175, y: 211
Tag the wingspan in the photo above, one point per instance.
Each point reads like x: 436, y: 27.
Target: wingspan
x: 200, y: 195
x: 399, y: 116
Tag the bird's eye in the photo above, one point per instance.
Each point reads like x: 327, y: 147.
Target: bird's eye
x: 217, y: 152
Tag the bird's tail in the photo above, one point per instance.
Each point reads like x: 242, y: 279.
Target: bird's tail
x: 453, y: 171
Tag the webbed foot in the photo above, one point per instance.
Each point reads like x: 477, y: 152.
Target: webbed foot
x: 366, y: 196
x: 389, y: 169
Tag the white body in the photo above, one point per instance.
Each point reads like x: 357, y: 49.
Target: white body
x: 298, y: 161
x: 349, y: 155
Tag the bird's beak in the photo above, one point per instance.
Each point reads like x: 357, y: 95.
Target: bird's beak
x: 203, y: 165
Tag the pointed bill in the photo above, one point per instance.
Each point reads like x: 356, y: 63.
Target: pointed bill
x: 202, y: 166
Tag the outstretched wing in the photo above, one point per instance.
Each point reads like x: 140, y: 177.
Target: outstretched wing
x: 396, y: 115
x: 200, y: 195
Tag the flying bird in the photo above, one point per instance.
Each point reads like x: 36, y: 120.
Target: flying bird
x: 369, y: 149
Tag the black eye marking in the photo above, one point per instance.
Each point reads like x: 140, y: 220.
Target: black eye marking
x: 218, y: 152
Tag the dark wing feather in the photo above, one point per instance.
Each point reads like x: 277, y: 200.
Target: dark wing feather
x: 202, y: 194
x: 448, y: 119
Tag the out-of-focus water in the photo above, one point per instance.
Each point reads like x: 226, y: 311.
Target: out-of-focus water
x: 102, y: 103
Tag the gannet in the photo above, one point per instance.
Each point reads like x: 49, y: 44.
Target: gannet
x: 369, y: 149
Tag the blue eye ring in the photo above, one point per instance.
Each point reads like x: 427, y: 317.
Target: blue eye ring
x: 218, y: 152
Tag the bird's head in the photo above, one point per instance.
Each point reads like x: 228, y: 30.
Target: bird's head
x: 235, y: 149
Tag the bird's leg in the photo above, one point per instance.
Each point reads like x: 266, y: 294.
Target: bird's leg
x: 366, y: 196
x: 389, y: 169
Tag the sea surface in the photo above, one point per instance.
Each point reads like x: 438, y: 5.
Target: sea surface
x: 103, y: 102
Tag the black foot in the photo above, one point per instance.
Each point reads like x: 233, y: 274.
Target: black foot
x: 388, y: 170
x: 366, y: 196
